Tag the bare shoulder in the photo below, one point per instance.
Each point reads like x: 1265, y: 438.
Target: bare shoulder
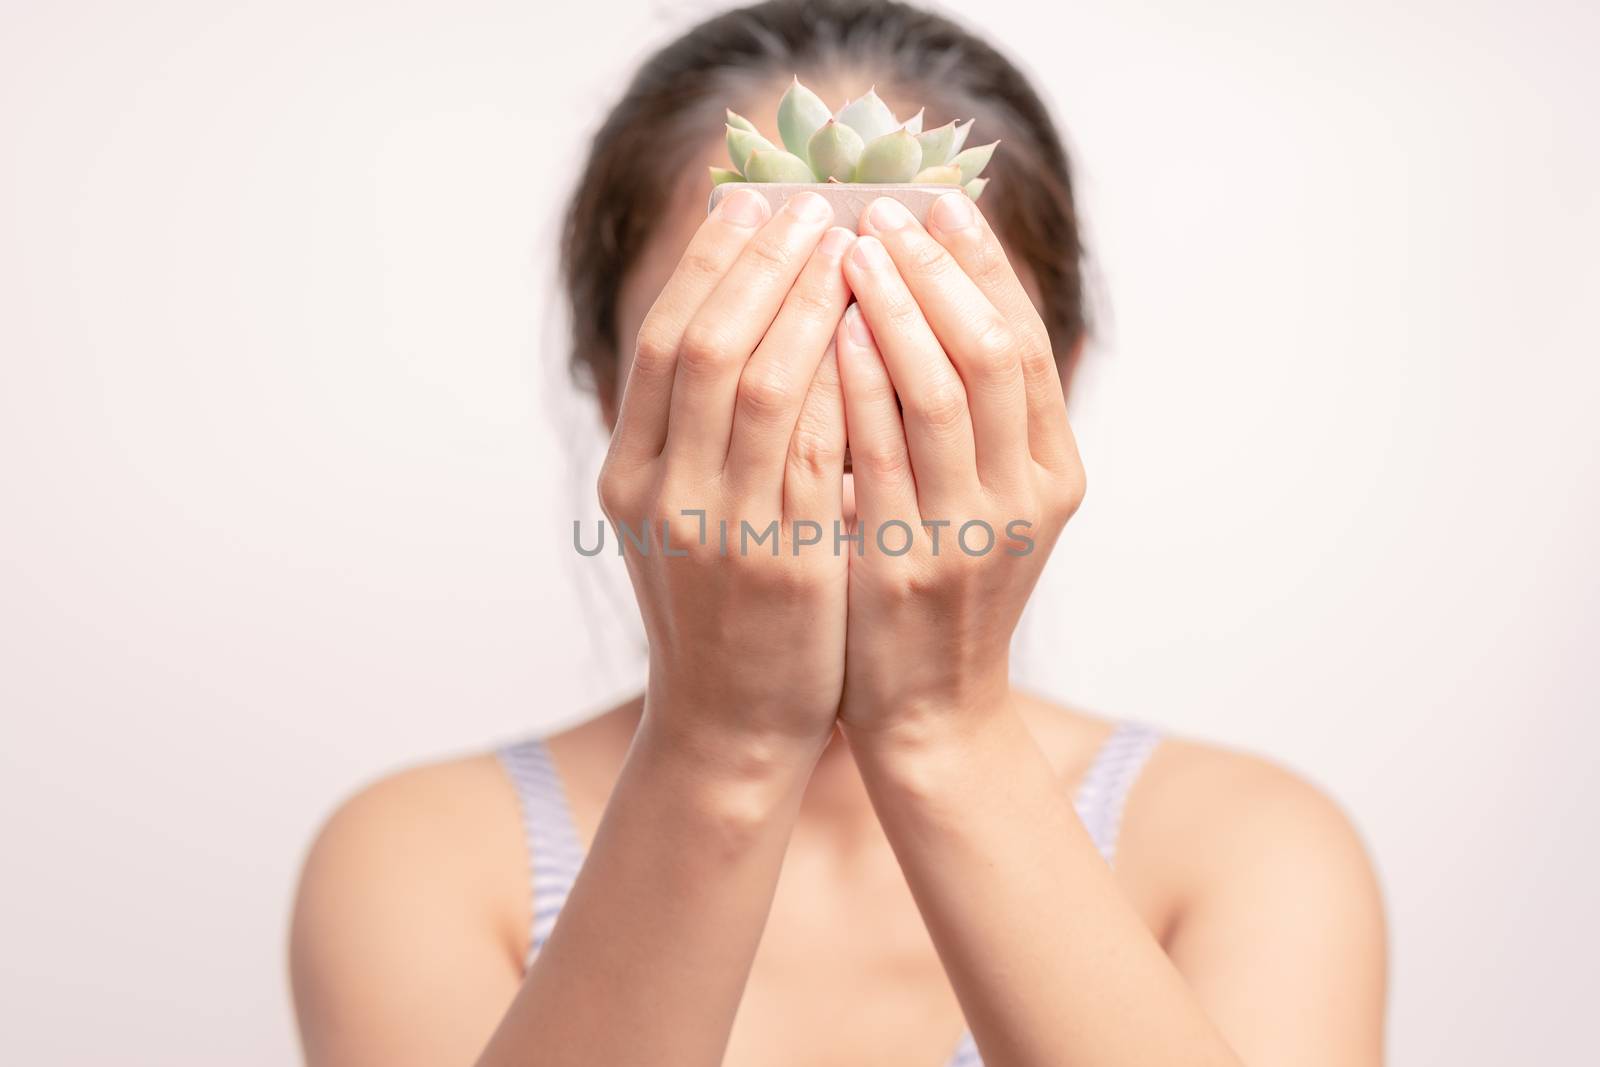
x: 1220, y: 809
x: 437, y: 853
x: 1216, y: 839
x: 1207, y: 828
x: 1260, y: 889
x: 413, y: 876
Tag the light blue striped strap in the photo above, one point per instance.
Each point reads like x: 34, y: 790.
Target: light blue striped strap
x: 1105, y: 788
x: 554, y: 852
x: 966, y: 1053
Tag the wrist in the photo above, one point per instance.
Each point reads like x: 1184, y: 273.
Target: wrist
x: 748, y: 719
x: 922, y: 708
x: 913, y: 744
x: 738, y: 779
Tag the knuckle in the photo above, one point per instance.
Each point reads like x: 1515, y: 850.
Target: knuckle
x: 705, y: 346
x: 623, y: 491
x: 765, y: 395
x: 1035, y: 344
x: 672, y: 528
x: 881, y: 461
x: 814, y: 453
x: 652, y: 352
x: 994, y: 349
x: 925, y: 582
x: 611, y: 492
x: 770, y: 255
x: 926, y: 257
x: 1074, y: 484
x: 903, y: 313
x: 942, y: 406
x: 701, y: 262
x: 812, y: 301
x: 1062, y: 492
x: 874, y: 392
x: 988, y: 263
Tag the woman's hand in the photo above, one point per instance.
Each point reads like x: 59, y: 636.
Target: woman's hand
x: 731, y: 431
x: 975, y: 467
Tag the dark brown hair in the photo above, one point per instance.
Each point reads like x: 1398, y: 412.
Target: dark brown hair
x: 914, y: 57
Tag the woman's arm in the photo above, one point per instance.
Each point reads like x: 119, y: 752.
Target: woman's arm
x: 654, y: 945
x: 1051, y: 965
x: 1276, y: 952
x: 650, y: 957
x: 732, y: 412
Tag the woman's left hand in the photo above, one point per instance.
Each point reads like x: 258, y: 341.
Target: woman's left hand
x: 975, y: 467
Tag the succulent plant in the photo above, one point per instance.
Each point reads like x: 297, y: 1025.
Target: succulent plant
x: 861, y: 142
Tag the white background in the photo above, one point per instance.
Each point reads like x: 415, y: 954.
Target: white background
x: 287, y: 459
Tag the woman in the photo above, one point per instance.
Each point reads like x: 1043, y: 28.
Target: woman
x: 830, y: 832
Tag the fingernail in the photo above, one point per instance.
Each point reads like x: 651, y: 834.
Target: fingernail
x: 835, y: 241
x: 953, y: 212
x: 888, y: 214
x: 855, y: 327
x: 810, y: 207
x: 744, y: 208
x: 869, y: 254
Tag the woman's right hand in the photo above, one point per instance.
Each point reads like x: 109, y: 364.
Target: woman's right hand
x: 732, y: 415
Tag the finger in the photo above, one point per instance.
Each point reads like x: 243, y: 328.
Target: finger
x: 813, y: 473
x: 641, y: 430
x: 932, y: 397
x: 880, y: 458
x: 730, y: 324
x: 986, y: 350
x: 777, y: 379
x: 957, y: 224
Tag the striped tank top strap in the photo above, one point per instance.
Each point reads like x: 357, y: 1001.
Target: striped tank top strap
x: 554, y: 852
x: 966, y: 1054
x: 1110, y: 778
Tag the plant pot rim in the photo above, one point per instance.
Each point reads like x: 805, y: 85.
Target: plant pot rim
x: 849, y: 199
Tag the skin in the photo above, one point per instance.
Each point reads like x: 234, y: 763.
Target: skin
x: 830, y: 831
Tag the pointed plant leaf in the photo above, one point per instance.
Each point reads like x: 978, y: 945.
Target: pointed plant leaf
x: 894, y: 157
x: 913, y: 125
x: 776, y: 165
x: 960, y: 139
x: 719, y: 175
x: 801, y: 113
x: 738, y: 121
x: 868, y: 116
x: 938, y: 145
x: 834, y: 151
x: 976, y: 186
x: 741, y: 143
x: 973, y: 160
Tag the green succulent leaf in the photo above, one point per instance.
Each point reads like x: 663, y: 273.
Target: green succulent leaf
x: 834, y: 151
x: 938, y: 145
x: 973, y: 160
x: 976, y: 186
x: 741, y: 143
x: 913, y: 125
x: 868, y: 116
x: 801, y: 113
x: 945, y: 175
x: 776, y: 165
x: 739, y: 122
x: 893, y: 157
x: 719, y: 175
x: 960, y: 140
